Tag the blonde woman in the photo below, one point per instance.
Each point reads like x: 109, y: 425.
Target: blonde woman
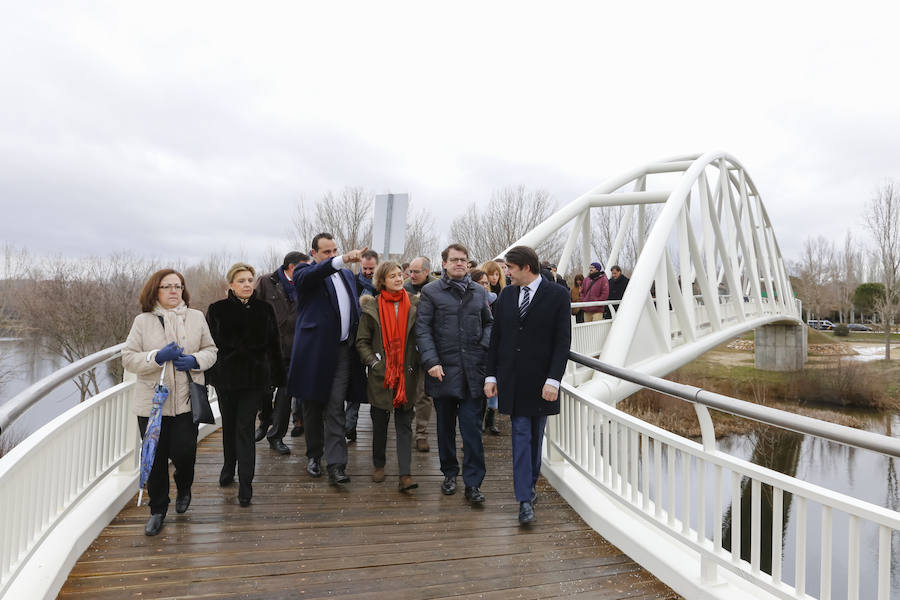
x: 496, y: 277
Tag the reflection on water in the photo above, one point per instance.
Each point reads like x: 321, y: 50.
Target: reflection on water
x: 27, y: 362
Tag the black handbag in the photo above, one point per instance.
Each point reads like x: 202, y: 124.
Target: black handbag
x: 201, y: 411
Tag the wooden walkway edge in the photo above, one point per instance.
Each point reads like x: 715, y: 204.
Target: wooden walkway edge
x: 301, y: 538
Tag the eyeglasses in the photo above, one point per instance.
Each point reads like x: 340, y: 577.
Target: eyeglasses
x: 416, y: 271
x: 172, y: 286
x: 457, y: 260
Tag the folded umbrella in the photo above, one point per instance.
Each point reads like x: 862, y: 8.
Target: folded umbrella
x: 151, y: 434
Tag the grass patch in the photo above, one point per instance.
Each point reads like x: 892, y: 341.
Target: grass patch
x: 863, y: 337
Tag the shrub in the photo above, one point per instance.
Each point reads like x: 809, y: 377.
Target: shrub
x: 842, y: 330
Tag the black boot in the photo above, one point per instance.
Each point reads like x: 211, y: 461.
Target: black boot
x: 490, y: 421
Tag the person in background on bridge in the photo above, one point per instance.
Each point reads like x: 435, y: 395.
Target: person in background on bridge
x: 364, y: 287
x: 250, y: 364
x: 453, y: 329
x: 405, y: 267
x: 489, y: 406
x: 576, y: 297
x: 617, y: 284
x: 595, y: 288
x: 496, y: 275
x: 386, y: 342
x: 325, y: 369
x: 277, y: 289
x: 419, y: 276
x: 296, y: 408
x: 168, y: 331
x: 527, y: 357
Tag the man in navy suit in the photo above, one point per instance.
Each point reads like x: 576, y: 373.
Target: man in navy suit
x: 526, y: 360
x: 325, y: 370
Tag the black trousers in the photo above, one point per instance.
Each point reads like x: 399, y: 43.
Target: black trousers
x: 238, y: 408
x: 324, y: 421
x: 278, y: 416
x: 178, y: 442
x: 403, y: 417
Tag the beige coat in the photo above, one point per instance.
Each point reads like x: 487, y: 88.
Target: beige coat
x: 147, y: 336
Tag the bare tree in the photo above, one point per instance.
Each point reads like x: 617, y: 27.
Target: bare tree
x: 883, y: 221
x: 347, y: 216
x: 487, y: 230
x: 421, y: 239
x: 846, y: 277
x: 815, y: 272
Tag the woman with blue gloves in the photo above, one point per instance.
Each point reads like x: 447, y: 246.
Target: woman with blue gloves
x: 246, y: 332
x: 167, y: 330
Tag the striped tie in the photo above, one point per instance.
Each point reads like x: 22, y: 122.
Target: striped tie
x: 523, y: 308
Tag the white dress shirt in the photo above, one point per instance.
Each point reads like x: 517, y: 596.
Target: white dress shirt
x: 343, y: 297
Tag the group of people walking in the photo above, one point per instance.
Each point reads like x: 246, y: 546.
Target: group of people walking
x: 317, y: 340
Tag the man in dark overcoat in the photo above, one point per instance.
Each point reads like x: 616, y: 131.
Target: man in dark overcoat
x: 453, y: 329
x: 325, y: 370
x: 277, y: 288
x: 526, y: 360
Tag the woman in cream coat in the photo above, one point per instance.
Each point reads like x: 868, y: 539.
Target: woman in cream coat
x: 167, y: 331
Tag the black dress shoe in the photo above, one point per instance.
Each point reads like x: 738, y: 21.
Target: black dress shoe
x: 261, y: 431
x: 449, y: 486
x: 337, y: 476
x: 526, y: 513
x: 351, y: 436
x: 244, y: 494
x: 226, y: 476
x: 297, y: 431
x: 182, y: 501
x: 474, y: 495
x: 278, y: 446
x: 154, y: 524
x: 314, y: 467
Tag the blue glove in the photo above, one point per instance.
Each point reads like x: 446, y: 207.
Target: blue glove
x: 186, y: 362
x: 170, y: 351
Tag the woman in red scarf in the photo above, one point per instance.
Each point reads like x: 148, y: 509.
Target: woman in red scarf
x: 386, y: 342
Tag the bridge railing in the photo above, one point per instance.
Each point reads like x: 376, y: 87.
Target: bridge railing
x: 63, y: 483
x: 679, y: 488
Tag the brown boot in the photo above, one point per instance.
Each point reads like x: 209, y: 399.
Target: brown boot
x: 407, y: 483
x: 422, y: 445
x: 378, y: 475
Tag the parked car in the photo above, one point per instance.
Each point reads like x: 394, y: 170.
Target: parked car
x: 858, y: 327
x: 821, y: 324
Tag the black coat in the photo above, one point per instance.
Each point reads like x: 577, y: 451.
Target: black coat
x: 453, y: 330
x: 248, y: 342
x: 617, y: 287
x: 524, y: 354
x: 271, y: 289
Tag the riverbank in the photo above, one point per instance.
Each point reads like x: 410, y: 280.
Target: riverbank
x: 833, y: 387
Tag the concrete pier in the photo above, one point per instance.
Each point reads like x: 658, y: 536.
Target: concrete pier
x: 781, y: 347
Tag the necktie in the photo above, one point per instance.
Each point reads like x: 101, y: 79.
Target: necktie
x: 523, y: 308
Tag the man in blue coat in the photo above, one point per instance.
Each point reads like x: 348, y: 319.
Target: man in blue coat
x: 525, y: 363
x: 325, y: 370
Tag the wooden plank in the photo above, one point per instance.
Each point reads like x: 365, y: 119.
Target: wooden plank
x: 304, y: 538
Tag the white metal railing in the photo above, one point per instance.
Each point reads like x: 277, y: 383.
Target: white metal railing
x: 653, y: 474
x: 49, y: 472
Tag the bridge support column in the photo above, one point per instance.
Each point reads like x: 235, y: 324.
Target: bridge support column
x: 781, y: 347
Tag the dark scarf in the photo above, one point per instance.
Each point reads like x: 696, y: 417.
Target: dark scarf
x: 459, y: 284
x: 496, y: 288
x: 595, y: 276
x: 366, y: 283
x: 287, y: 284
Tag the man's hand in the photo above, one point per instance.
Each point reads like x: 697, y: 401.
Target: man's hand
x: 353, y: 256
x: 549, y: 393
x: 490, y: 389
x: 437, y: 371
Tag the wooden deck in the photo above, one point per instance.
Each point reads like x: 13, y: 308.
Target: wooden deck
x: 304, y: 538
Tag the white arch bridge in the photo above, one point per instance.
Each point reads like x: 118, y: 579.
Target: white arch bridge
x: 706, y: 523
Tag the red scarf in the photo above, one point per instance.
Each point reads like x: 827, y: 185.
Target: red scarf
x: 393, y: 336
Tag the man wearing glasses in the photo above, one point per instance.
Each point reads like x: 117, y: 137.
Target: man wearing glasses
x: 419, y: 276
x: 453, y: 331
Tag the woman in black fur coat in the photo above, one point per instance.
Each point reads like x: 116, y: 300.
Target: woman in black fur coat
x: 246, y: 333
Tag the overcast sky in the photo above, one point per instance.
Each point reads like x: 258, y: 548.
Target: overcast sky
x: 180, y: 129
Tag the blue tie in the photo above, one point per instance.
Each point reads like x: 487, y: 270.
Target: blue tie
x: 523, y: 308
